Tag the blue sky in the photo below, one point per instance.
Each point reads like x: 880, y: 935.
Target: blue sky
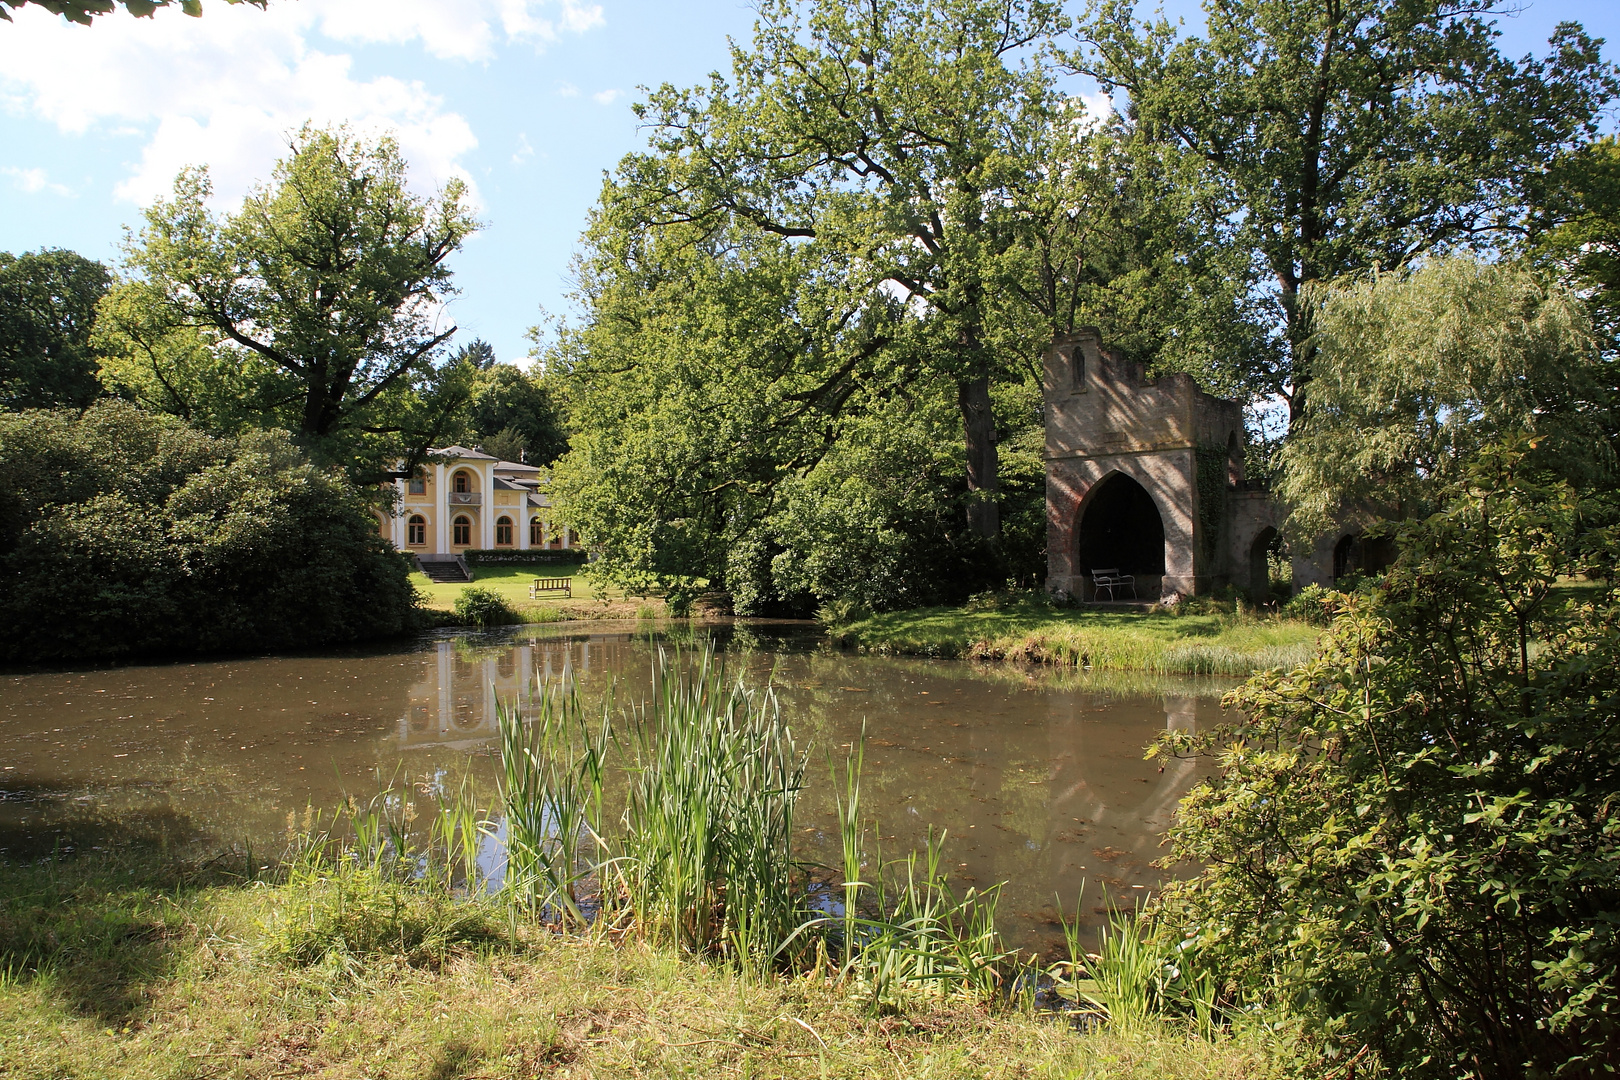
x: 529, y: 100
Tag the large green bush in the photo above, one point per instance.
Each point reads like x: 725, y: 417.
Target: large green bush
x: 127, y: 533
x: 1414, y: 840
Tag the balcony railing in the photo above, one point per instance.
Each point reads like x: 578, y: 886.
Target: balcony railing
x: 465, y: 498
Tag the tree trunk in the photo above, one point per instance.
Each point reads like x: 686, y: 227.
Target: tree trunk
x: 983, y: 461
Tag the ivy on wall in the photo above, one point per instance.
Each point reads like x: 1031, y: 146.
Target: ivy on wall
x: 1211, y: 480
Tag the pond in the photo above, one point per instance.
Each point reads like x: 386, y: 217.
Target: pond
x: 1037, y: 776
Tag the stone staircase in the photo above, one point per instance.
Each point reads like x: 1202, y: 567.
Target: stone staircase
x: 445, y: 570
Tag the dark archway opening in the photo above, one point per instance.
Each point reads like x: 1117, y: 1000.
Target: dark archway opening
x: 1260, y: 552
x: 1120, y: 528
x: 1356, y: 554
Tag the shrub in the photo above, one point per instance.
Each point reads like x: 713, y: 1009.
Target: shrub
x: 478, y: 606
x: 127, y: 533
x: 1413, y: 839
x: 1313, y: 604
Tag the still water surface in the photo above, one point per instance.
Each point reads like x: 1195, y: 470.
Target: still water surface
x: 1038, y: 776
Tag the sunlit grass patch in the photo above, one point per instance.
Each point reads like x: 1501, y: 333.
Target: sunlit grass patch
x: 204, y: 995
x: 1156, y: 642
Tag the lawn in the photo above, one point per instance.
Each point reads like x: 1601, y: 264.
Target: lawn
x: 116, y: 969
x: 1031, y: 629
x: 511, y: 583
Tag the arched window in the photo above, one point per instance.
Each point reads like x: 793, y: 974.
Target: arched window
x: 382, y: 526
x: 537, y: 532
x: 463, y: 531
x: 463, y: 482
x: 503, y: 531
x: 417, y: 526
x: 417, y: 485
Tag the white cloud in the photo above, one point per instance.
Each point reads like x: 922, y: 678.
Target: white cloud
x: 32, y: 181
x: 607, y: 97
x: 524, y: 151
x: 567, y: 89
x: 228, y: 89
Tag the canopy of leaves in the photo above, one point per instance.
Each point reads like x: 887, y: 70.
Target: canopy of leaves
x: 888, y: 137
x: 1348, y: 134
x: 710, y: 369
x: 315, y: 308
x: 1412, y: 841
x: 47, y: 312
x: 517, y: 410
x: 1417, y: 370
x: 83, y: 12
x: 127, y: 533
x: 1575, y: 229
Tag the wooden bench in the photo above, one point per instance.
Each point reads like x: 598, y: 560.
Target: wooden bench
x: 1111, y: 579
x: 544, y: 585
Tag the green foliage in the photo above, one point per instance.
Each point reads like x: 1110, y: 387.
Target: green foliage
x: 1411, y: 844
x: 484, y: 607
x: 1416, y: 370
x: 1575, y: 228
x: 512, y: 412
x: 890, y: 143
x: 1336, y: 138
x: 84, y: 11
x: 311, y: 309
x: 880, y: 519
x: 47, y: 312
x: 124, y: 533
x: 1313, y: 604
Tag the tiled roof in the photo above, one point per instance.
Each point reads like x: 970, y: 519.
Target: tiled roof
x: 463, y: 452
x: 515, y: 466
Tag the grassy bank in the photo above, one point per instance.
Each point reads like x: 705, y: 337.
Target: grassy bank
x: 1029, y: 629
x: 129, y: 966
x: 511, y: 583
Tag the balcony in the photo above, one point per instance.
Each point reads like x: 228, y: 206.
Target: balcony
x: 465, y: 498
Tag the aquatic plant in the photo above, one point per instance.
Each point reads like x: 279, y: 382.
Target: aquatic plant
x: 707, y: 848
x: 551, y: 795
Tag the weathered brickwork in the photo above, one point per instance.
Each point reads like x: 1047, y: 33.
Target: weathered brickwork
x: 1122, y: 450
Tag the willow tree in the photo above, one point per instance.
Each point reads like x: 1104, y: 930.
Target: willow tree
x: 1416, y: 371
x: 317, y: 307
x: 888, y: 137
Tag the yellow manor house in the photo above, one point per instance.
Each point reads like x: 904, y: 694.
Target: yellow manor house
x: 471, y: 501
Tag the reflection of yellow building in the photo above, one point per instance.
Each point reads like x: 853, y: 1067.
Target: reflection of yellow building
x: 453, y: 702
x: 472, y: 500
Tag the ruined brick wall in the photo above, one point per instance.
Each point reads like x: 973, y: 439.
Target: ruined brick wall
x: 1104, y: 419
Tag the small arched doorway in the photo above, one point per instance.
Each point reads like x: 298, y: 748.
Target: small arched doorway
x: 1260, y: 564
x: 1120, y: 528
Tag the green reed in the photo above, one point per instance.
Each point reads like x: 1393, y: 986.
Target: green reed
x: 714, y: 776
x: 915, y: 937
x: 1135, y: 974
x: 551, y: 795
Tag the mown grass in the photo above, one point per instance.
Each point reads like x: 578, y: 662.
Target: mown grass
x: 132, y: 965
x: 1159, y: 642
x: 511, y: 583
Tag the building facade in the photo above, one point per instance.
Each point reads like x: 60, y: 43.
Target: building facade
x: 471, y: 500
x: 1145, y: 478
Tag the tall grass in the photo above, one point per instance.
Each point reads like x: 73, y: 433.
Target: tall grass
x: 707, y: 857
x: 551, y: 793
x: 1137, y: 973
